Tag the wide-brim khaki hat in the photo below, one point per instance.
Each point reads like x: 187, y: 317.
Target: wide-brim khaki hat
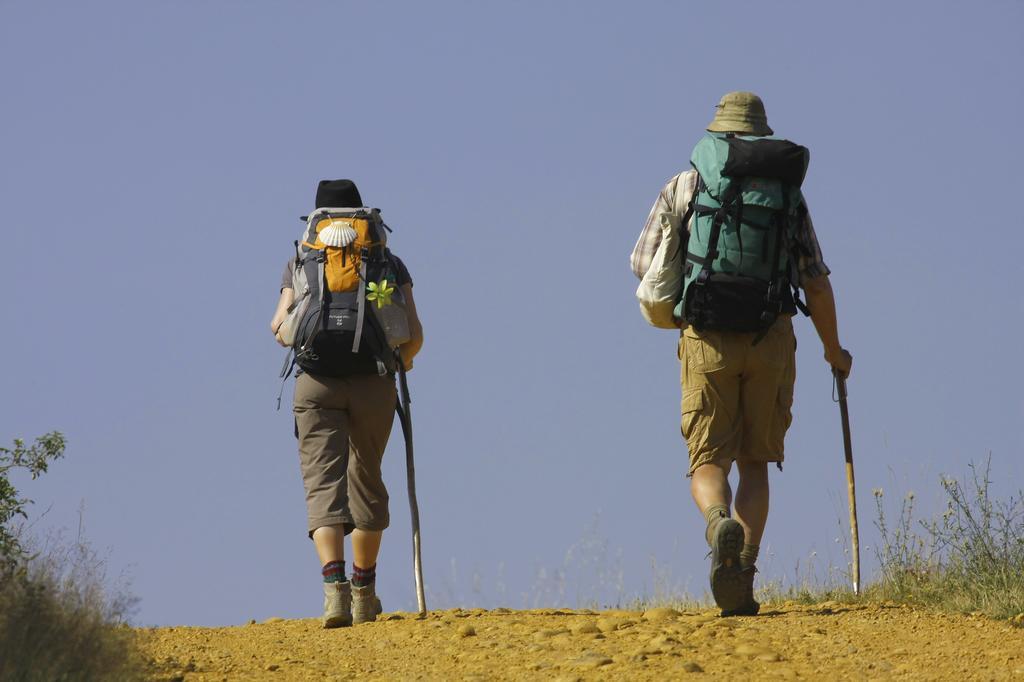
x: 740, y: 112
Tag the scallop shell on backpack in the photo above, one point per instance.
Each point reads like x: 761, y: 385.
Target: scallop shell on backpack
x: 339, y: 234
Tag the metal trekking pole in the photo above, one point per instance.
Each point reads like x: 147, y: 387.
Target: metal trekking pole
x: 851, y: 486
x: 405, y: 416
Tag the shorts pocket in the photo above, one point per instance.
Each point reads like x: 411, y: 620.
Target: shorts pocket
x: 783, y: 418
x: 693, y: 407
x: 785, y: 406
x: 778, y: 347
x: 703, y: 351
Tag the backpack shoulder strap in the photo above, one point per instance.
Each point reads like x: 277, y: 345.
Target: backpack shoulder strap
x: 361, y: 301
x: 686, y: 212
x: 795, y: 264
x: 677, y: 204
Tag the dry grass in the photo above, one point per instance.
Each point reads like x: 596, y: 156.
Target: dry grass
x: 968, y: 560
x: 58, y: 620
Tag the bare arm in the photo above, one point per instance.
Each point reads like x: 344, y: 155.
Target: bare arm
x: 283, y: 303
x: 822, y: 304
x: 410, y: 348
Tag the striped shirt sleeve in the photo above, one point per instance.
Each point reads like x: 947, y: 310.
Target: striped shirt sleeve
x: 810, y: 262
x: 674, y: 196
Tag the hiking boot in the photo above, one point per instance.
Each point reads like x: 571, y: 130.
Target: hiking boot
x: 728, y: 585
x: 337, y: 605
x: 748, y: 606
x: 365, y: 604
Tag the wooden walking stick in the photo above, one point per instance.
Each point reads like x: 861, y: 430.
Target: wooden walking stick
x: 405, y: 417
x: 851, y: 486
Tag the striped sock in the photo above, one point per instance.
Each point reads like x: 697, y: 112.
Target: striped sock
x: 361, y: 577
x: 334, y: 572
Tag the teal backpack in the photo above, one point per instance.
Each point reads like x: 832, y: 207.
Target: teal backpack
x: 745, y: 209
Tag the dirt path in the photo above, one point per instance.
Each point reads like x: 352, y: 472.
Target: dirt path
x: 826, y: 641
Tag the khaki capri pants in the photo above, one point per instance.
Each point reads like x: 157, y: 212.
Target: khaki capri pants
x: 343, y: 425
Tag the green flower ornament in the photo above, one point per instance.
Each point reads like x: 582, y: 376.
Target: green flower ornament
x: 380, y: 292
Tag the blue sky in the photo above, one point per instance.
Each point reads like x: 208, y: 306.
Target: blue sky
x: 156, y: 157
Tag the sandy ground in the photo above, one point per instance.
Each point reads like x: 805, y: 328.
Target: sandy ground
x: 789, y: 641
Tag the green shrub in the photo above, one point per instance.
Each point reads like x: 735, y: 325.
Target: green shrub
x: 57, y: 618
x: 35, y: 459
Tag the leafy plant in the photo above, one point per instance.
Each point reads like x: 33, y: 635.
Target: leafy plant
x: 35, y: 459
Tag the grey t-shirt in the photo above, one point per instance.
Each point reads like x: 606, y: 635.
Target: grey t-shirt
x: 403, y: 273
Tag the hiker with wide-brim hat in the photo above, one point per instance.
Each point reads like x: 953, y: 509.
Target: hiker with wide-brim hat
x: 726, y: 249
x: 346, y: 308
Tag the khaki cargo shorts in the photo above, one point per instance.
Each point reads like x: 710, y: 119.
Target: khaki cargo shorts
x: 737, y: 397
x: 343, y: 425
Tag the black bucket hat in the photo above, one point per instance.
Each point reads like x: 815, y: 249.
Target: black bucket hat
x: 338, y: 194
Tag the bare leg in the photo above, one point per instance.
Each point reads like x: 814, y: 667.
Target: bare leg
x: 752, y: 499
x: 365, y: 605
x: 710, y: 486
x: 330, y: 543
x: 365, y: 546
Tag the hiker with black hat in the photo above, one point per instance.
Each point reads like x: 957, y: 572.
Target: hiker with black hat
x: 346, y: 309
x: 723, y: 255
